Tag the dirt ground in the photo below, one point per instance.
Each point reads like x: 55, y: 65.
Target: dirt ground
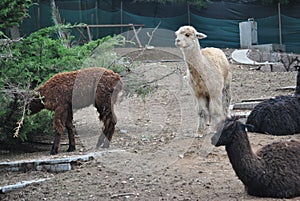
x: 156, y: 154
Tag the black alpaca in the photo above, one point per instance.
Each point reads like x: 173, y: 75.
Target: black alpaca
x: 274, y: 171
x: 277, y: 116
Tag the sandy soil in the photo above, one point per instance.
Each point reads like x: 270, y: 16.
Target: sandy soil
x: 158, y: 156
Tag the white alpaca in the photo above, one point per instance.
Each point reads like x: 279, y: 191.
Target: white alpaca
x: 208, y: 73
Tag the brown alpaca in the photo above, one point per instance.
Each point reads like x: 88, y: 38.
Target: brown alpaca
x: 78, y: 89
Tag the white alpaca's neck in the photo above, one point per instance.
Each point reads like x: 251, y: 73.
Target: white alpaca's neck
x: 193, y: 56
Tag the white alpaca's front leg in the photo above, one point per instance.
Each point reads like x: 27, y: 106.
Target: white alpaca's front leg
x: 203, y: 114
x: 187, y: 76
x: 216, y: 111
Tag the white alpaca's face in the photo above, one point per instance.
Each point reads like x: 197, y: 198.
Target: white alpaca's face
x: 186, y: 36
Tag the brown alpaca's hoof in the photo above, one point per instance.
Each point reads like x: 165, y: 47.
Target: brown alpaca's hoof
x: 102, y: 142
x: 71, y: 148
x: 105, y: 143
x: 53, y: 152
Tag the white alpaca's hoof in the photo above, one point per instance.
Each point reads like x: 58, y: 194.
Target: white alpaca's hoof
x: 200, y: 133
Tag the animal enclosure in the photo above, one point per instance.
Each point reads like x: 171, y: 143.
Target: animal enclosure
x: 190, y: 176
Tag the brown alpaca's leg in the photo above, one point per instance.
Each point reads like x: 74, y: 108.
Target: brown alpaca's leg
x: 71, y: 131
x: 108, y: 130
x: 60, y: 116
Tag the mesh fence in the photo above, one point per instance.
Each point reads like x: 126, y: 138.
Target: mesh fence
x: 220, y: 20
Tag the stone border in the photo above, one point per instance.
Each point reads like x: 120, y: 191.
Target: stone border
x: 51, y: 164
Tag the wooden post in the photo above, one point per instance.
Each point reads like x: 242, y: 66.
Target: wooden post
x: 89, y: 32
x: 121, y: 16
x: 136, y: 36
x: 80, y: 12
x: 15, y: 32
x: 188, y: 12
x: 97, y: 18
x: 279, y: 24
x: 39, y: 15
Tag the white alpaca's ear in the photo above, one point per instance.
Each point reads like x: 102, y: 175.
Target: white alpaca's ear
x: 200, y: 35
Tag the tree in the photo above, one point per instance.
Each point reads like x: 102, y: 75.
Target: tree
x: 13, y: 12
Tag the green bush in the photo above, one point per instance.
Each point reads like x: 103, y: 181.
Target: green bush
x: 104, y: 56
x: 40, y: 123
x: 13, y: 12
x: 40, y: 56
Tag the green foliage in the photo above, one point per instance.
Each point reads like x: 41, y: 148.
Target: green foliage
x: 144, y: 90
x: 41, y: 55
x: 12, y: 12
x: 40, y: 123
x: 9, y: 115
x: 104, y: 56
x: 33, y: 61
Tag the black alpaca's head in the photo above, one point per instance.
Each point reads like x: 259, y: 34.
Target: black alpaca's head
x: 226, y: 131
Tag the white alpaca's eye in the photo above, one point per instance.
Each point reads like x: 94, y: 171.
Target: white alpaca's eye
x: 187, y: 35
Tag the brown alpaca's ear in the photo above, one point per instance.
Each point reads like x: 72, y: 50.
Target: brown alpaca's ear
x: 200, y: 35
